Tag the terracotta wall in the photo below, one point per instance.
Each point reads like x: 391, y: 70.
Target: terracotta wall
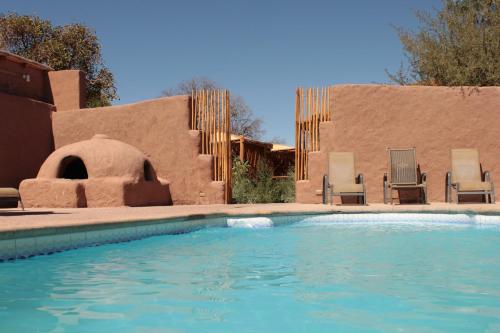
x: 34, y: 84
x: 68, y: 89
x: 159, y: 128
x: 367, y: 119
x: 26, y: 138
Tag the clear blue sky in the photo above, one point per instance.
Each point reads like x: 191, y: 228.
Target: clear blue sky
x: 261, y: 50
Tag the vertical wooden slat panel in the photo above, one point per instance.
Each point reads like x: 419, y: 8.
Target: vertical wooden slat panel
x: 206, y: 126
x: 192, y: 109
x: 202, y: 121
x: 217, y: 144
x: 299, y: 147
x: 210, y: 114
x: 315, y: 116
x: 299, y: 133
x: 224, y: 129
x: 311, y: 123
x: 312, y: 107
x: 299, y: 120
x: 228, y: 148
x: 296, y: 133
x: 302, y: 133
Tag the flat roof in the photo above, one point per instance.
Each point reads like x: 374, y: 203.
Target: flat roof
x: 272, y: 146
x: 280, y: 147
x: 235, y: 137
x: 22, y: 60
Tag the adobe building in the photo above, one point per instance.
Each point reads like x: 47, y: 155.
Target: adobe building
x: 279, y: 157
x: 43, y: 110
x: 368, y: 119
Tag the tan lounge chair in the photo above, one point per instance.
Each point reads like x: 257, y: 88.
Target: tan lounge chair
x: 466, y: 176
x: 8, y: 194
x: 341, y: 179
x: 403, y: 174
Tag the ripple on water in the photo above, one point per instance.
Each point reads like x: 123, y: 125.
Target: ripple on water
x: 314, y: 276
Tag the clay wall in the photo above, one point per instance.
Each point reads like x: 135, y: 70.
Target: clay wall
x: 68, y: 89
x: 160, y: 129
x: 368, y: 119
x: 26, y: 132
x: 22, y: 80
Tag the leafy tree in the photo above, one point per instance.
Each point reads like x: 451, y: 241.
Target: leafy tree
x: 72, y: 46
x: 243, y: 121
x: 458, y: 46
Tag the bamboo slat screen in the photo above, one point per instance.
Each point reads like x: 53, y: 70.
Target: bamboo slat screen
x: 210, y: 114
x: 312, y: 106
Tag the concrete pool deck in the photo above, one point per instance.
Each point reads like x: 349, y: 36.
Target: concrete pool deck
x: 14, y: 220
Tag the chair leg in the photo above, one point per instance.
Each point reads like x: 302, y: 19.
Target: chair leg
x: 21, y: 202
x: 325, y: 189
x: 448, y: 188
x: 386, y: 200
x: 425, y: 195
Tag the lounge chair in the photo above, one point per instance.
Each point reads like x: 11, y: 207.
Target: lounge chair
x: 341, y: 179
x: 403, y: 174
x: 466, y: 176
x: 9, y: 194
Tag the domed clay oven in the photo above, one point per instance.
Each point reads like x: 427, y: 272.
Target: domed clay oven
x: 100, y: 172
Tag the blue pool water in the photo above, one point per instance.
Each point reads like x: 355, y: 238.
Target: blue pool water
x: 304, y: 277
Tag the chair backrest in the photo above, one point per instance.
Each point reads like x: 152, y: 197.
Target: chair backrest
x: 341, y: 168
x: 403, y: 166
x: 465, y: 166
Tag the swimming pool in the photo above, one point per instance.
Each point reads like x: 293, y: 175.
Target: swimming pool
x: 321, y: 274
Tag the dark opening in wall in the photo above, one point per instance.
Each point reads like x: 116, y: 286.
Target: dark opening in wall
x: 149, y: 174
x: 72, y: 167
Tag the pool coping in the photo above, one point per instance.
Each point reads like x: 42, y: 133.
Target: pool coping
x: 142, y: 215
x: 23, y: 236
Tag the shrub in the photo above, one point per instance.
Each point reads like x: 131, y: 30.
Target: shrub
x: 260, y: 187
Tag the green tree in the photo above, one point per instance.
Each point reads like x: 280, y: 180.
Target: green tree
x: 243, y: 121
x: 72, y: 46
x: 458, y: 46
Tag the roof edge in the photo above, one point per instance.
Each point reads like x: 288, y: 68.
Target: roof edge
x: 25, y: 61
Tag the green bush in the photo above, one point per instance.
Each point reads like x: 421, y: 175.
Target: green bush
x: 260, y: 187
x: 287, y: 187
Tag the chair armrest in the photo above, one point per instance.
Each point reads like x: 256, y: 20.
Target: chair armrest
x: 360, y: 179
x: 423, y: 177
x: 487, y: 176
